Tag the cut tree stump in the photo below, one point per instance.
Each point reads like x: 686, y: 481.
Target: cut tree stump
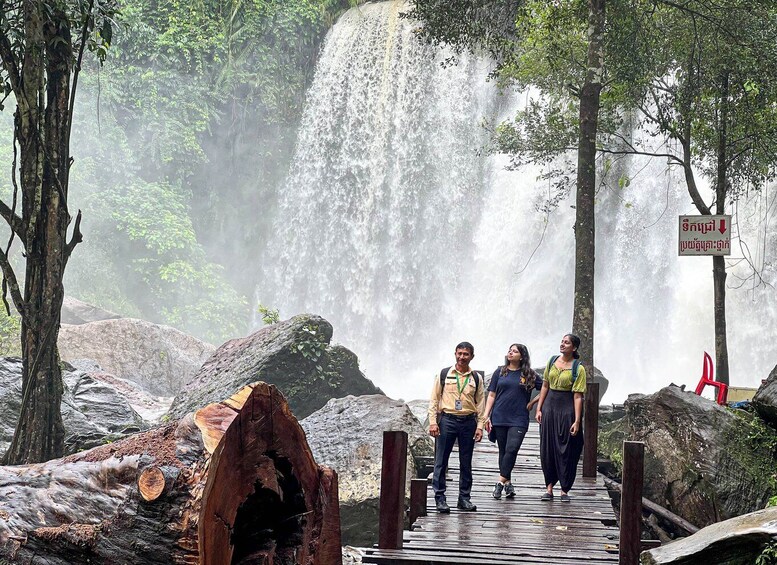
x: 234, y: 483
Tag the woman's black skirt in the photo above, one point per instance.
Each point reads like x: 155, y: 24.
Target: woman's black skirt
x: 559, y: 450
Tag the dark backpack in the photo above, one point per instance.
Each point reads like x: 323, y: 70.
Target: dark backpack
x: 575, y: 365
x: 444, y: 373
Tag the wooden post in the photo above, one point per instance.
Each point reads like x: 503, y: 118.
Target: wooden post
x: 417, y: 499
x: 631, y: 502
x: 591, y: 430
x: 392, y: 490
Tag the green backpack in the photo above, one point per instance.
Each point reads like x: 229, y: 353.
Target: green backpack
x: 575, y: 365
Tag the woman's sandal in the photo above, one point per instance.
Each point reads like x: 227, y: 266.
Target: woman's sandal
x: 548, y: 496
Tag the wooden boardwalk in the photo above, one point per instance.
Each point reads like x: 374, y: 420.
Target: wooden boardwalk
x: 509, y: 531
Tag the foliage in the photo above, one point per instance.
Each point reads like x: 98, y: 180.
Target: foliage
x: 313, y: 349
x: 761, y: 435
x: 10, y: 335
x: 768, y: 555
x: 181, y: 286
x: 269, y: 315
x: 754, y: 445
x: 772, y: 501
x: 196, y: 112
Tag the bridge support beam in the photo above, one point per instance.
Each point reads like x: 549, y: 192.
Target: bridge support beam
x: 631, y: 502
x: 591, y: 429
x: 392, y: 490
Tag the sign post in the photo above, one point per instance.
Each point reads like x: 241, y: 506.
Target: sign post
x: 705, y: 235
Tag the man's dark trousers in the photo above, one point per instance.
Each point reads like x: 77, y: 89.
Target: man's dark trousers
x: 452, y: 428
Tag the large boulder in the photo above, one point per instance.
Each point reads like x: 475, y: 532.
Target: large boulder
x: 294, y: 355
x: 765, y: 400
x: 420, y: 409
x: 159, y: 358
x: 347, y: 435
x: 737, y: 541
x: 93, y: 411
x: 76, y: 312
x: 702, y: 461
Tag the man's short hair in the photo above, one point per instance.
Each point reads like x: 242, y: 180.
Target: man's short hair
x: 466, y: 345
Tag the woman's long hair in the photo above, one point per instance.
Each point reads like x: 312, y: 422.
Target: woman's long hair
x: 576, y: 343
x: 524, y: 366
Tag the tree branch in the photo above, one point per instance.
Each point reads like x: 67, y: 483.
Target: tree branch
x: 76, y: 238
x: 668, y: 156
x: 10, y: 283
x: 12, y: 218
x: 77, y: 68
x: 9, y: 62
x: 690, y: 181
x: 9, y: 214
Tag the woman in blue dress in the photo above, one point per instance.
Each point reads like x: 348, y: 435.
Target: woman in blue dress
x: 507, y: 411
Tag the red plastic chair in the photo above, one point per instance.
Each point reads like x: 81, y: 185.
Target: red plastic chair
x: 707, y: 378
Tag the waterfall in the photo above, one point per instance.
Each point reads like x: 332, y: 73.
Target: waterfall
x: 396, y: 226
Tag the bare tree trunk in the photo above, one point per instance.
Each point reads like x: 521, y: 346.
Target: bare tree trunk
x: 718, y: 262
x: 585, y: 232
x: 721, y: 343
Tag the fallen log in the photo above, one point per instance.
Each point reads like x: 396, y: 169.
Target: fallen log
x: 657, y: 509
x: 234, y: 483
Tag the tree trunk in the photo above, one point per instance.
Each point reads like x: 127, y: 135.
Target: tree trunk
x: 721, y: 344
x: 585, y: 234
x: 39, y: 435
x: 718, y: 262
x: 234, y: 483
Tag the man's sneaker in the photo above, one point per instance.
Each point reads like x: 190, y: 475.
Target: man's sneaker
x: 509, y: 490
x: 497, y: 494
x: 442, y: 507
x: 466, y: 505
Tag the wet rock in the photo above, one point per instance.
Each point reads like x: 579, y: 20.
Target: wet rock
x: 294, y: 355
x: 737, y: 541
x: 765, y: 399
x: 159, y: 358
x: 77, y: 312
x: 94, y: 412
x: 702, y: 461
x: 347, y: 435
x: 420, y: 409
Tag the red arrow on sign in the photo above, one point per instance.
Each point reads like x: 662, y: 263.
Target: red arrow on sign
x: 722, y: 226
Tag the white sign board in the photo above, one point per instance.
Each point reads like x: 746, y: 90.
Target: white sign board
x: 705, y: 235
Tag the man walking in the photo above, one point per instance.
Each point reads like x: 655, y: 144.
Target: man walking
x: 456, y: 410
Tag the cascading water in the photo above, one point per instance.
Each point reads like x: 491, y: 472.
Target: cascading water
x: 395, y: 227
